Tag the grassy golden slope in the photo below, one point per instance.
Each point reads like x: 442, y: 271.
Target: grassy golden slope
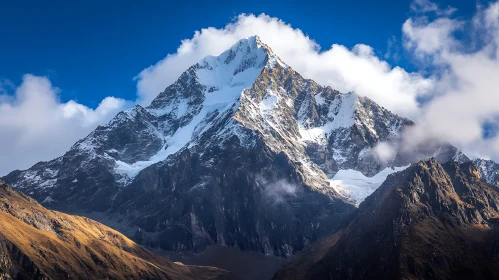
x: 63, y: 246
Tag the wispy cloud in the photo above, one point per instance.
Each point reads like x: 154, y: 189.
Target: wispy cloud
x: 426, y: 6
x: 276, y: 192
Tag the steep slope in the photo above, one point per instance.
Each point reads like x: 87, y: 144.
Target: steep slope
x: 36, y: 243
x: 239, y: 151
x: 430, y: 221
x: 489, y: 170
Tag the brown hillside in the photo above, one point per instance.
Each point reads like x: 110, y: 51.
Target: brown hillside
x: 36, y: 243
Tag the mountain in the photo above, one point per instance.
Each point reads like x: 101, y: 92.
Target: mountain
x: 488, y: 169
x: 240, y: 151
x: 36, y: 243
x: 430, y: 221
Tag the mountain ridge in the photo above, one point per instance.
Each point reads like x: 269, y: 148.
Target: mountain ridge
x: 430, y: 221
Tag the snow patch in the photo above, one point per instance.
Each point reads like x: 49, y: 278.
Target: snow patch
x: 356, y: 186
x: 48, y: 199
x: 269, y: 102
x: 273, y: 59
x: 221, y: 100
x: 341, y: 112
x: 319, y: 100
x: 315, y: 134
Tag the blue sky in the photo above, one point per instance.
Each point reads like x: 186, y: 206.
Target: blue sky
x: 91, y: 49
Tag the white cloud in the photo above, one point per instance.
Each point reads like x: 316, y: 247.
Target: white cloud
x: 467, y: 95
x: 276, y: 192
x: 430, y: 37
x: 384, y: 151
x: 35, y: 125
x: 357, y: 69
x: 426, y: 6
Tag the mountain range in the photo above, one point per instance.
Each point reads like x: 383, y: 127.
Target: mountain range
x: 243, y: 152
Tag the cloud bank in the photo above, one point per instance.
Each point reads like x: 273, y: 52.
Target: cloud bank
x: 35, y: 125
x: 464, y: 54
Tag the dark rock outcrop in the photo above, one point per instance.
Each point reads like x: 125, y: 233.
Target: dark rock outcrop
x: 430, y: 221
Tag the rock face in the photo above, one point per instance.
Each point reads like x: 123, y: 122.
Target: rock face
x: 489, y: 170
x: 238, y: 151
x: 430, y: 221
x: 36, y: 243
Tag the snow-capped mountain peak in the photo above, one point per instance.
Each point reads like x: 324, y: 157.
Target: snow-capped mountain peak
x: 240, y: 65
x: 214, y: 76
x: 253, y: 87
x: 236, y: 134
